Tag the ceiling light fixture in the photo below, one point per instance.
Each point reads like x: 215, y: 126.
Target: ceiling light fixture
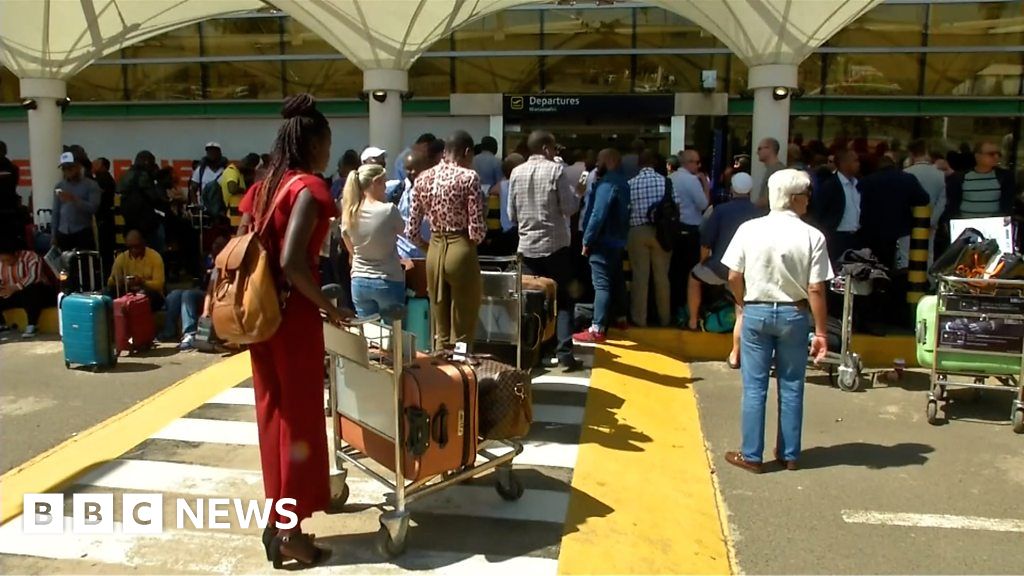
x: 780, y: 93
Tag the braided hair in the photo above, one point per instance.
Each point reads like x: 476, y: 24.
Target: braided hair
x: 303, y: 125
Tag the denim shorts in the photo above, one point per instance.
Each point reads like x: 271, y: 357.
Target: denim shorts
x: 378, y: 296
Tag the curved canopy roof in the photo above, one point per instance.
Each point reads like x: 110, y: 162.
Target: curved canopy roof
x: 58, y: 38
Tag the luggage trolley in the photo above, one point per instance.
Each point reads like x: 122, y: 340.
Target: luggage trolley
x: 977, y: 336
x: 848, y: 362
x: 366, y: 364
x: 501, y: 307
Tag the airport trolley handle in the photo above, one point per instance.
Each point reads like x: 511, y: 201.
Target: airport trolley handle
x: 995, y: 281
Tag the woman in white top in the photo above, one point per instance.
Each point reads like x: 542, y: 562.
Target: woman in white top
x: 370, y: 226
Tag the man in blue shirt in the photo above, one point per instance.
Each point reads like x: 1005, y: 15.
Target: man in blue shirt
x: 78, y: 199
x: 606, y: 226
x: 412, y: 165
x: 715, y: 236
x: 487, y: 165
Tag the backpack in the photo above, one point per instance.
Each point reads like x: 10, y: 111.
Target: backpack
x: 664, y: 216
x: 246, y: 303
x: 213, y: 199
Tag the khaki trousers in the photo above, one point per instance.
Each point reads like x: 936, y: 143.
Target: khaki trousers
x: 646, y: 256
x: 454, y: 287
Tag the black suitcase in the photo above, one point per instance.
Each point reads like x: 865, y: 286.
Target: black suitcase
x: 83, y: 271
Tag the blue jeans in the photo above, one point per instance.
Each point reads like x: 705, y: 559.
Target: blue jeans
x: 186, y: 304
x: 378, y: 296
x: 606, y: 274
x: 780, y: 332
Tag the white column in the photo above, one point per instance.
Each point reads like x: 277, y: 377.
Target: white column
x: 677, y: 139
x: 44, y: 136
x: 496, y: 127
x: 386, y: 115
x: 771, y: 116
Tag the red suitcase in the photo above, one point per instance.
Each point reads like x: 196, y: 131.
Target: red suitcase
x: 440, y: 416
x: 134, y: 324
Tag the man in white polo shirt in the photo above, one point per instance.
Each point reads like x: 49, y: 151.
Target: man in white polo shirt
x: 781, y: 284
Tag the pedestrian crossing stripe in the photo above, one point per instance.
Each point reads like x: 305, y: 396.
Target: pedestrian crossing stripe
x: 464, y: 529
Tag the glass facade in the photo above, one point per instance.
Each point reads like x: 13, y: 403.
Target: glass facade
x: 960, y: 53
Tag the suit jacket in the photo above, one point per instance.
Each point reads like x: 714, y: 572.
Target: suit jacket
x: 887, y: 204
x: 828, y: 204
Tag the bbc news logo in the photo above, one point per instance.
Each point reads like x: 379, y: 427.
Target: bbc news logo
x: 144, y: 513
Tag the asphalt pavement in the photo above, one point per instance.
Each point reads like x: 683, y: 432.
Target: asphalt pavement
x: 43, y: 404
x: 879, y: 490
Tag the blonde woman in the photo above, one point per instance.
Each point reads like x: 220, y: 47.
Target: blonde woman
x: 370, y: 226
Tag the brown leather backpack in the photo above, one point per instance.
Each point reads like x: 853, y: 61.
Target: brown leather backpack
x: 246, y: 307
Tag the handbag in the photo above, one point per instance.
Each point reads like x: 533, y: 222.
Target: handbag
x: 246, y: 303
x: 664, y: 216
x: 505, y: 396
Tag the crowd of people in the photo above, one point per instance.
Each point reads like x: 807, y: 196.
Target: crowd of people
x: 575, y: 217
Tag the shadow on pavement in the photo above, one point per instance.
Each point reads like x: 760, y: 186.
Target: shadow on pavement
x: 609, y: 360
x: 865, y: 455
x: 470, y: 536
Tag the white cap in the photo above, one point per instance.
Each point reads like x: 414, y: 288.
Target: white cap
x: 66, y: 158
x: 371, y: 153
x: 742, y: 183
x: 212, y: 145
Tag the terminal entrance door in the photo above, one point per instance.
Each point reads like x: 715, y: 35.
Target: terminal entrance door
x: 590, y: 122
x: 582, y: 136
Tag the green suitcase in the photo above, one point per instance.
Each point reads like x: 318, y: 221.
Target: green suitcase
x: 966, y: 361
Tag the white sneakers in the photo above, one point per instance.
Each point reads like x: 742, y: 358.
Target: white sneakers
x: 30, y: 331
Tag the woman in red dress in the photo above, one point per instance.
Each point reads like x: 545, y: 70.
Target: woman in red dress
x: 287, y: 369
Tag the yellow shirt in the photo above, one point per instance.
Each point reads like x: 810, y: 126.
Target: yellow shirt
x: 231, y: 201
x: 150, y: 268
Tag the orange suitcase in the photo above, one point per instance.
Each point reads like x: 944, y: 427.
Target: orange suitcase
x: 440, y: 417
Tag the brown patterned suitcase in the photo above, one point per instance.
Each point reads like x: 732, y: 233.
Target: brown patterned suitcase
x: 440, y: 418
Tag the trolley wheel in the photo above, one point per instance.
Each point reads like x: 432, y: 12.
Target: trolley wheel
x: 1018, y: 421
x: 96, y: 369
x: 338, y: 502
x: 511, y: 492
x: 67, y: 365
x: 933, y: 412
x: 388, y: 547
x: 848, y: 379
x: 940, y: 393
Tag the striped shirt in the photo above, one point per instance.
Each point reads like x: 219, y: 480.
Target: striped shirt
x: 26, y: 270
x: 645, y: 190
x: 981, y: 195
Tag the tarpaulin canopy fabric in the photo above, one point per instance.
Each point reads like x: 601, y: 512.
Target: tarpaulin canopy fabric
x: 58, y: 38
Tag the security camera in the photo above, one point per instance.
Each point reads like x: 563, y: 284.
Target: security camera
x: 29, y: 104
x: 64, y: 103
x: 708, y: 80
x: 380, y: 96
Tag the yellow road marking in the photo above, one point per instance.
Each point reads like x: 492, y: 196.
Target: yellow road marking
x: 111, y: 438
x: 643, y: 499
